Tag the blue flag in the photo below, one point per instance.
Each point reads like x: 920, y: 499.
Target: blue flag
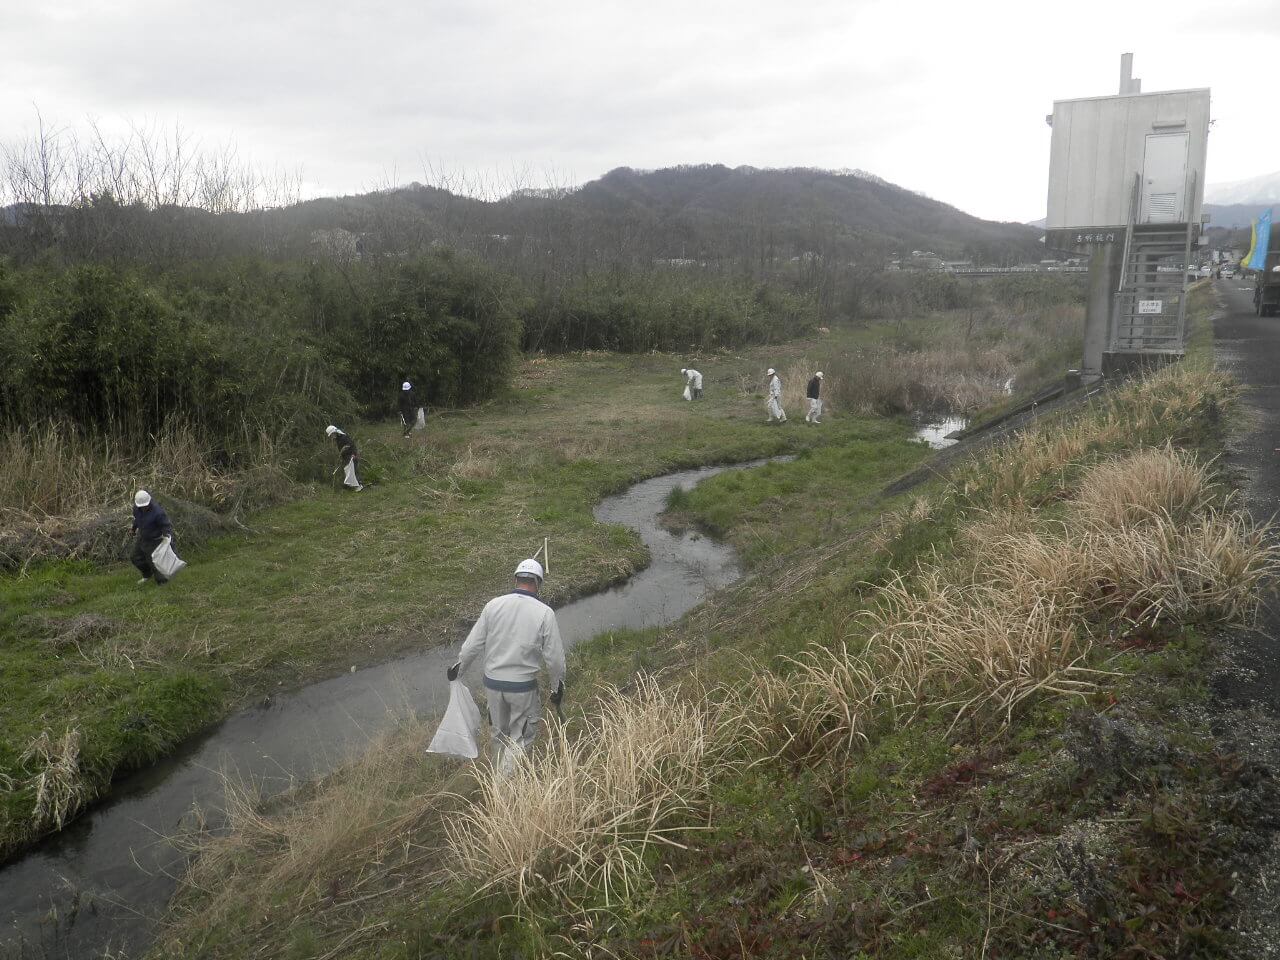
x: 1259, y: 259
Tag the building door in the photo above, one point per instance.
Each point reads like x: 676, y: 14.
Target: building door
x: 1164, y: 178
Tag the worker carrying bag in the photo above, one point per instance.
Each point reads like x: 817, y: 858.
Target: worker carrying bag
x: 460, y: 729
x: 166, y: 562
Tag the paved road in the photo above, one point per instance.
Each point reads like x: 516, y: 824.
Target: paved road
x: 1247, y: 687
x: 1248, y: 347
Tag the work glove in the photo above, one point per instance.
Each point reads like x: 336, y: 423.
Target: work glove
x: 558, y: 695
x: 452, y: 672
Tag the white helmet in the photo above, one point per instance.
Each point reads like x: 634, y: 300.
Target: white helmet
x: 529, y: 568
x: 406, y: 385
x: 684, y: 369
x: 141, y: 499
x: 769, y: 372
x: 818, y: 374
x: 330, y: 430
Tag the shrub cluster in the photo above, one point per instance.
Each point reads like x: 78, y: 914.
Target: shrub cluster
x: 656, y: 312
x: 237, y: 348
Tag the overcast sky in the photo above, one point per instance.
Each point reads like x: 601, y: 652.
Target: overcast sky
x: 947, y: 98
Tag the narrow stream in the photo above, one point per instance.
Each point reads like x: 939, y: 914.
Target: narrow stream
x: 100, y: 883
x: 936, y: 432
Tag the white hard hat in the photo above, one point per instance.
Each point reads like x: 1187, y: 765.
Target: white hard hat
x: 330, y: 430
x: 529, y: 568
x: 406, y: 385
x: 818, y: 374
x: 684, y: 369
x: 141, y: 498
x: 769, y: 371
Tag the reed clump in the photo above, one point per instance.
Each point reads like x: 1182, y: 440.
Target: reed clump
x: 59, y: 787
x: 1019, y: 610
x: 59, y: 483
x: 581, y: 816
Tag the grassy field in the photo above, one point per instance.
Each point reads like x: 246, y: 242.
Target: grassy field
x: 101, y: 675
x: 918, y: 730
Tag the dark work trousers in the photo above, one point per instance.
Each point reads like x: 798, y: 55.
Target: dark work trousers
x: 142, y: 550
x: 697, y: 393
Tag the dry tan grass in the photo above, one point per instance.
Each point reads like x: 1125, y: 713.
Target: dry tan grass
x: 1153, y: 410
x: 471, y: 466
x: 582, y: 813
x: 1013, y: 616
x: 1210, y: 568
x: 60, y: 788
x: 363, y: 834
x: 892, y: 523
x: 53, y: 472
x: 1143, y: 485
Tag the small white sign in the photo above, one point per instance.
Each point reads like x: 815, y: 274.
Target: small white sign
x: 1150, y: 306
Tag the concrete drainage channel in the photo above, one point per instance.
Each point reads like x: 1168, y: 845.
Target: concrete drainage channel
x: 100, y: 884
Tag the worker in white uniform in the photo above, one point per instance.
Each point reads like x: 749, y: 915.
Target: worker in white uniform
x: 693, y: 383
x: 516, y: 634
x: 774, y: 403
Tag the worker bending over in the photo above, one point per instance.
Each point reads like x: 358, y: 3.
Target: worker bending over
x: 346, y: 457
x: 692, y: 383
x: 515, y: 634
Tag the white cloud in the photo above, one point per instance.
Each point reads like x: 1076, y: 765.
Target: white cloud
x: 941, y: 97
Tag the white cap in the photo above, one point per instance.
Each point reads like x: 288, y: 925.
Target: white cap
x: 769, y: 372
x: 529, y: 568
x: 818, y: 374
x: 684, y: 369
x: 406, y: 385
x: 330, y: 430
x: 141, y: 499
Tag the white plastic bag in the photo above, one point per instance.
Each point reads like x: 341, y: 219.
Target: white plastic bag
x: 421, y: 423
x: 349, y: 477
x: 166, y: 562
x: 460, y: 729
x: 687, y: 394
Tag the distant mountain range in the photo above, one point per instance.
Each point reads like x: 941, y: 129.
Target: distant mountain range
x: 1260, y: 191
x: 1229, y: 216
x: 711, y: 212
x: 686, y: 214
x: 1236, y: 216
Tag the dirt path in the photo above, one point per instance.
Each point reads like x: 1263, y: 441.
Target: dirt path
x: 1248, y: 690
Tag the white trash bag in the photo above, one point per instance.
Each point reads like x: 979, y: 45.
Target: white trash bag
x: 460, y: 729
x: 688, y: 395
x: 421, y: 422
x: 349, y: 478
x: 166, y: 562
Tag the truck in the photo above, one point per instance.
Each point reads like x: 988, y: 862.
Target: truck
x: 1266, y: 290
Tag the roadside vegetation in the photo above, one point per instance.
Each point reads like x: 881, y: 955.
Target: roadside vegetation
x: 125, y: 674
x: 965, y: 721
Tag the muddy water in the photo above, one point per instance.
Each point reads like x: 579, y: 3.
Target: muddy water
x: 99, y: 884
x: 934, y: 432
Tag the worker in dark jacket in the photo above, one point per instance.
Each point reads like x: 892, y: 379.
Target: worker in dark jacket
x: 814, y: 395
x: 346, y: 457
x: 408, y: 407
x: 151, y: 524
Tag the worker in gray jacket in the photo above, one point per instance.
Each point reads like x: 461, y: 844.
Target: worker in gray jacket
x: 516, y: 634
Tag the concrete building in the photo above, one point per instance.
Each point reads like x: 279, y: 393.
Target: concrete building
x: 1126, y: 187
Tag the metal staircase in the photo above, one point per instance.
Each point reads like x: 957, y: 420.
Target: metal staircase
x: 1151, y: 302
